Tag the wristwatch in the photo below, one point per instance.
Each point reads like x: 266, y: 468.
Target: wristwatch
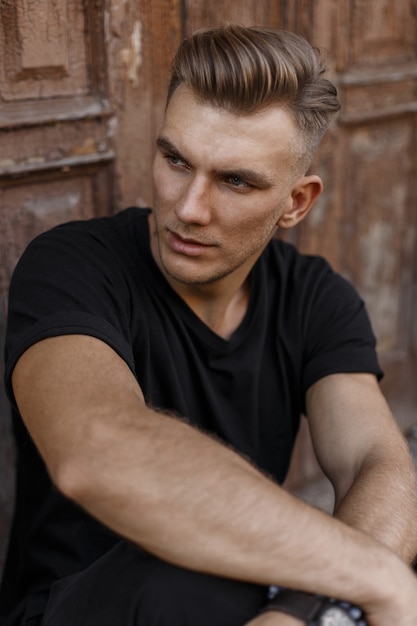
x: 314, y: 610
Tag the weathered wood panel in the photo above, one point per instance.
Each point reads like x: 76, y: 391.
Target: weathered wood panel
x: 202, y: 14
x: 379, y: 223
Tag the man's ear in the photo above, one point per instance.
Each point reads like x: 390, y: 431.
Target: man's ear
x: 303, y: 195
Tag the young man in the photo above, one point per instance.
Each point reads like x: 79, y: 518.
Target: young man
x: 160, y: 361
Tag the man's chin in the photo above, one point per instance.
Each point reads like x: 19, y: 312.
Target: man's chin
x: 191, y: 277
x: 186, y: 279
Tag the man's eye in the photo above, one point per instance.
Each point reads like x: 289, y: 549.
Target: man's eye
x: 175, y: 160
x: 237, y: 182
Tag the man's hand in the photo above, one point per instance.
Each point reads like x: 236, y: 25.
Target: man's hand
x: 399, y: 606
x: 274, y: 618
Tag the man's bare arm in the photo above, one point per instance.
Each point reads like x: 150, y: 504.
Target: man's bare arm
x: 367, y: 459
x: 377, y: 493
x: 182, y: 495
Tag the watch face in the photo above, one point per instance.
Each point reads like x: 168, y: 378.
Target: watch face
x: 335, y: 616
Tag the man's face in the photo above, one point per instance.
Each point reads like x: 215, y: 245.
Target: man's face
x: 222, y: 181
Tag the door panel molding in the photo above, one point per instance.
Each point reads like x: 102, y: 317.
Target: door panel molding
x: 54, y: 61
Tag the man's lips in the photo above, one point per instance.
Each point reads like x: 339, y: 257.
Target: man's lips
x: 186, y: 245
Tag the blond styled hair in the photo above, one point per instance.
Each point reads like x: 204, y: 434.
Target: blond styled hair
x: 247, y: 69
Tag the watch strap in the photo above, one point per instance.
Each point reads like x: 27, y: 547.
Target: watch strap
x: 304, y: 606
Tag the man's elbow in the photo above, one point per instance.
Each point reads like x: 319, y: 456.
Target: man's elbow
x: 73, y: 477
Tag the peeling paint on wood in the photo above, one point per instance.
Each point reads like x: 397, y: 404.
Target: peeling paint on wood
x: 132, y: 56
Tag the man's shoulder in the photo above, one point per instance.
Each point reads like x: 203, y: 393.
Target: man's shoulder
x: 122, y: 233
x: 99, y: 246
x: 285, y: 258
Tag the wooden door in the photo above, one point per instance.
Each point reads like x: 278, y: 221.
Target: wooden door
x: 56, y: 158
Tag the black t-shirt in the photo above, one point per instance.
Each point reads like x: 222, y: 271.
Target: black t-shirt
x: 98, y: 278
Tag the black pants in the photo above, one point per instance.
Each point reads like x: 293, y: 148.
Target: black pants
x: 129, y: 587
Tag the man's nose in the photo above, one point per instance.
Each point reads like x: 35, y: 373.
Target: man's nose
x: 194, y: 205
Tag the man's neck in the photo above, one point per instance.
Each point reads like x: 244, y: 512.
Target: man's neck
x: 221, y: 304
x: 221, y: 312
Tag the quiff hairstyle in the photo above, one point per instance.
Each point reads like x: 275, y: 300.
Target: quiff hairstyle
x: 247, y: 69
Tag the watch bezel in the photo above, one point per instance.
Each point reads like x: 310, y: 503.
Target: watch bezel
x: 333, y: 606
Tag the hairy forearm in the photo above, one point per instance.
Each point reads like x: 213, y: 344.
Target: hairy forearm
x: 194, y: 502
x: 383, y: 502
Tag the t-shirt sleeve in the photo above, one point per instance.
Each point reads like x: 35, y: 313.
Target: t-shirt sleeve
x: 337, y: 333
x: 67, y: 282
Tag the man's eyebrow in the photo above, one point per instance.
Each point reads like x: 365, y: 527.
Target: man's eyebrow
x: 167, y: 146
x: 248, y: 175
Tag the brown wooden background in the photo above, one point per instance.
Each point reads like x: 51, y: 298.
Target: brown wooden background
x: 82, y: 86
